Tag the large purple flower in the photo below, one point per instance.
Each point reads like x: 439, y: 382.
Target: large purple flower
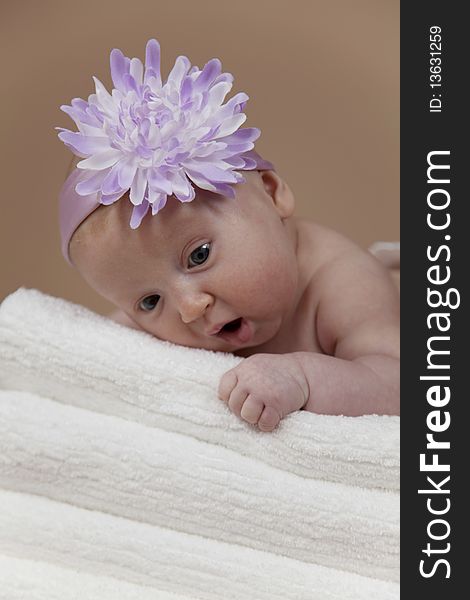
x: 155, y: 138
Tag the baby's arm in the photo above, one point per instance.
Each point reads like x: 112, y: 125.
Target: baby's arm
x: 358, y: 329
x: 357, y: 325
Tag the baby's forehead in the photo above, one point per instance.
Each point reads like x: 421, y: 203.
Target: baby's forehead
x: 108, y: 227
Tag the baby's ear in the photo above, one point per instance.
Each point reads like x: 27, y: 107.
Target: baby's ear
x: 280, y: 193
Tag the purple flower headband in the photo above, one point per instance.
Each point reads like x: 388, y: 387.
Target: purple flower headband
x: 155, y: 139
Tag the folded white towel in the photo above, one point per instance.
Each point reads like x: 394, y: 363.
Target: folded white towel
x: 171, y: 480
x: 67, y: 353
x: 118, y: 462
x: 38, y: 529
x: 22, y: 579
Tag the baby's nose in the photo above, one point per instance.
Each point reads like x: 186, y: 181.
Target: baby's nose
x: 194, y: 306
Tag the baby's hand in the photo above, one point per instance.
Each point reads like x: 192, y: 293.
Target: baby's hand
x: 264, y: 388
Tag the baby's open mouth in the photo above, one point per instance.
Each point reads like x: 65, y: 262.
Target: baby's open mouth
x: 238, y: 331
x: 231, y: 326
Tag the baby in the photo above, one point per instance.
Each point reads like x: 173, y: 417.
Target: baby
x: 224, y: 265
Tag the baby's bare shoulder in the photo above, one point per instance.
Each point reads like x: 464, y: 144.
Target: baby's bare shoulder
x: 354, y: 293
x: 319, y: 244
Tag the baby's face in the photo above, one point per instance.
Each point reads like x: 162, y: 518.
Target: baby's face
x: 215, y: 273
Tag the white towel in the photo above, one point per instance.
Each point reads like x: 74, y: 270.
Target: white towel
x: 100, y: 544
x: 121, y: 428
x: 22, y: 579
x: 171, y: 480
x: 67, y: 353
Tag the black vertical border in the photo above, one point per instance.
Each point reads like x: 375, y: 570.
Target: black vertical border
x: 421, y: 132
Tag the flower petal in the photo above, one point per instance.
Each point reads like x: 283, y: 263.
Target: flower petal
x: 120, y: 65
x: 211, y: 172
x: 157, y: 206
x: 152, y: 61
x: 186, y: 89
x: 210, y: 71
x: 92, y: 185
x: 236, y: 162
x: 182, y: 189
x: 103, y: 96
x: 229, y: 108
x: 206, y: 184
x: 230, y: 125
x: 200, y: 180
x: 137, y: 70
x: 79, y: 116
x: 157, y: 201
x: 106, y: 200
x: 224, y: 190
x: 111, y: 184
x: 247, y: 134
x: 138, y: 187
x: 103, y: 160
x: 130, y: 83
x: 158, y: 180
x: 126, y: 173
x: 85, y: 145
x: 233, y: 149
x: 178, y: 72
x: 138, y: 214
x: 209, y: 149
x: 250, y: 164
x: 227, y: 77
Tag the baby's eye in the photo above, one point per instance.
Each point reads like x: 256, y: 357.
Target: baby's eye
x: 199, y: 255
x: 149, y: 303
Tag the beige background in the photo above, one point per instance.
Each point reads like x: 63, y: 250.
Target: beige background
x: 323, y: 81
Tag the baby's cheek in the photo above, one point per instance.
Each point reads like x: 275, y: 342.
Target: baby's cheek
x: 161, y: 327
x: 279, y: 277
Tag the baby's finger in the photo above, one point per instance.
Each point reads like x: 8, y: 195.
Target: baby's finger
x: 269, y: 419
x: 227, y: 382
x: 237, y: 399
x: 251, y: 410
